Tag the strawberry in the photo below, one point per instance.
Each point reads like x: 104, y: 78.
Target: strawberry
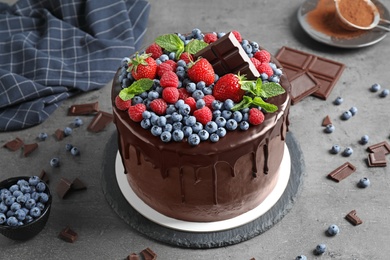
x: 265, y: 68
x: 135, y: 112
x: 187, y: 57
x: 170, y: 94
x: 238, y: 36
x: 191, y: 102
x: 256, y: 117
x: 201, y: 70
x: 255, y: 62
x: 122, y: 104
x: 210, y: 37
x: 169, y: 79
x: 159, y: 106
x: 183, y: 93
x: 163, y: 67
x: 203, y: 115
x: 262, y: 56
x: 155, y: 50
x: 208, y: 99
x: 229, y: 87
x: 142, y: 66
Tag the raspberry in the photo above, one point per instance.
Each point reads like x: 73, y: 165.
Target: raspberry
x: 163, y: 67
x: 169, y: 79
x: 203, y: 115
x: 183, y: 93
x: 172, y: 63
x: 122, y: 104
x: 210, y: 37
x: 256, y: 62
x: 158, y: 106
x: 187, y: 57
x: 191, y: 102
x: 135, y: 112
x: 170, y: 94
x: 256, y: 117
x: 238, y: 36
x: 262, y: 56
x: 265, y: 68
x: 208, y: 99
x: 155, y: 50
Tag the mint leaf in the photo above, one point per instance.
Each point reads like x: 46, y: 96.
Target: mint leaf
x: 248, y: 86
x: 170, y: 42
x: 245, y: 102
x: 258, y: 87
x: 271, y: 89
x: 136, y: 88
x: 195, y: 45
x: 270, y: 108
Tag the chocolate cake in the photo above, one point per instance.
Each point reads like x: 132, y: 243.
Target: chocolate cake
x: 211, y: 179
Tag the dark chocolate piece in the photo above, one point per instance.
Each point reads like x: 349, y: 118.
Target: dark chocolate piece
x: 63, y: 187
x: 325, y: 71
x: 342, y: 172
x: 68, y: 235
x: 100, y: 121
x: 382, y: 146
x: 226, y: 55
x: 83, y: 109
x: 14, y: 145
x: 78, y: 184
x: 148, y: 254
x: 29, y: 148
x: 133, y: 256
x: 59, y: 134
x: 377, y: 159
x: 353, y: 218
x: 326, y: 121
x: 44, y: 176
x: 302, y: 85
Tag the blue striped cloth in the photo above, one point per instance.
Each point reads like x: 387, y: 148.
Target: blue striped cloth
x: 51, y: 50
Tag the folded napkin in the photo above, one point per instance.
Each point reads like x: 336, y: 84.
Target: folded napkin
x: 51, y: 50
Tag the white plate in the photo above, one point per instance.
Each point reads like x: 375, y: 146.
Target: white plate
x: 151, y: 214
x: 369, y: 38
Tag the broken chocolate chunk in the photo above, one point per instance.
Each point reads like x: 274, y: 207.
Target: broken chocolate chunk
x: 133, y: 256
x: 380, y: 147
x: 302, y: 85
x: 326, y: 121
x: 68, y: 235
x: 63, y: 187
x: 325, y: 71
x: 148, y: 254
x: 59, y: 134
x: 353, y: 218
x: 226, y: 55
x: 342, y: 172
x: 78, y: 184
x: 100, y: 121
x: 14, y: 145
x: 377, y: 159
x: 83, y: 109
x: 29, y: 148
x: 44, y: 176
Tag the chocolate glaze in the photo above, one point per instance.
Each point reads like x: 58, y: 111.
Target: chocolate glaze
x: 209, y: 182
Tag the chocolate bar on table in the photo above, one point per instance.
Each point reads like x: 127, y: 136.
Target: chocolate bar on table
x: 83, y: 109
x: 342, y: 172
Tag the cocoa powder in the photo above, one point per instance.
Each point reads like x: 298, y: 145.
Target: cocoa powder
x: 323, y: 18
x: 357, y: 12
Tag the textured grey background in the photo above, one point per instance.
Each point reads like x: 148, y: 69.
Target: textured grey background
x: 104, y: 235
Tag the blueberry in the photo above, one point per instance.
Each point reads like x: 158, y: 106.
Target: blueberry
x: 77, y: 122
x: 220, y: 121
x: 153, y: 119
x: 177, y: 135
x: 137, y: 100
x: 20, y: 214
x: 35, y: 212
x: 179, y: 103
x: 228, y: 104
x: 364, y: 139
x: 68, y: 147
x: 198, y: 94
x: 55, y: 162
x: 364, y: 182
x: 177, y: 126
x: 33, y: 180
x: 168, y: 128
x: 301, y: 257
x: 152, y: 95
x: 26, y: 188
x: 161, y: 121
x: 216, y: 104
x: 42, y: 136
x: 15, y: 206
x: 145, y: 123
x: 329, y: 128
x: 237, y: 116
x: 335, y: 149
x: 156, y: 130
x: 43, y: 197
x: 203, y: 135
x: 170, y: 109
x: 187, y: 130
x: 193, y: 139
x: 375, y: 87
x: 338, y: 101
x: 181, y: 63
x: 211, y: 127
x: 22, y: 182
x: 346, y: 115
x: 13, y: 188
x: 231, y: 125
x: 214, y: 137
x: 197, y: 127
x: 28, y: 219
x: 200, y: 85
x: 353, y: 110
x: 166, y: 136
x: 333, y: 230
x: 244, y: 125
x: 12, y: 221
x: 17, y: 193
x: 40, y: 205
x: 320, y: 249
x: 347, y: 152
x: 21, y: 199
x: 164, y: 57
x: 200, y: 103
x: 221, y: 131
x: 30, y: 204
x: 3, y: 218
x: 67, y: 131
x: 35, y: 195
x: 216, y: 113
x: 75, y: 151
x: 384, y: 93
x: 227, y: 114
x: 190, y: 121
x: 41, y: 187
x: 207, y: 90
x: 9, y: 200
x: 3, y: 207
x: 185, y: 110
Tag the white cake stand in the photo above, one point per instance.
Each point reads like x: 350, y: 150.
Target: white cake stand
x: 151, y: 214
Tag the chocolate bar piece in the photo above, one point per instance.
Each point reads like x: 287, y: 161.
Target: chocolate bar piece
x: 44, y: 176
x: 382, y: 146
x: 59, y: 134
x: 68, y: 235
x: 100, y: 121
x: 302, y: 85
x: 14, y: 145
x: 83, y: 109
x: 133, y: 256
x: 29, y: 148
x: 325, y: 71
x: 377, y: 159
x: 78, y: 184
x: 63, y: 187
x: 353, y: 218
x: 326, y: 121
x: 226, y: 55
x: 148, y: 254
x: 342, y: 172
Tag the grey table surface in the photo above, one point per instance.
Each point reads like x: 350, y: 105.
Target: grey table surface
x: 321, y: 202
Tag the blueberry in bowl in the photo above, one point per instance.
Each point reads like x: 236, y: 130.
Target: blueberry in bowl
x: 25, y: 204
